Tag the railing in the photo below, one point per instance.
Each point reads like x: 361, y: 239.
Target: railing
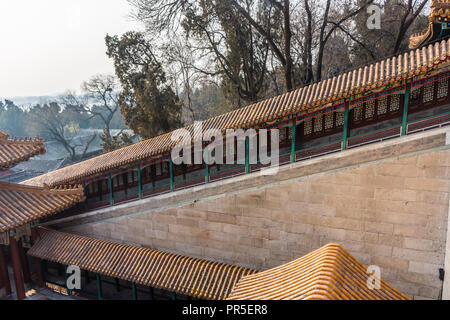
x: 203, y: 176
x: 235, y: 171
x: 157, y: 191
x: 318, y: 151
x: 374, y: 136
x: 429, y: 123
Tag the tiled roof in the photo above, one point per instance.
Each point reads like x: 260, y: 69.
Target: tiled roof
x: 376, y: 76
x: 418, y: 39
x: 329, y: 273
x: 15, y: 151
x: 175, y: 273
x: 21, y: 204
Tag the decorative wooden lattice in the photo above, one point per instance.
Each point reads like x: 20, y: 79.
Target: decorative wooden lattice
x: 428, y: 92
x: 329, y: 121
x: 382, y: 106
x: 318, y: 124
x: 370, y: 109
x: 415, y: 96
x: 340, y: 119
x: 442, y: 91
x: 395, y: 103
x: 358, y: 112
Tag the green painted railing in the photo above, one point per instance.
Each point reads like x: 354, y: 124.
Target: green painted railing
x: 209, y: 174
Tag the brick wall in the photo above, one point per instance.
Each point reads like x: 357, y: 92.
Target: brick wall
x: 392, y: 213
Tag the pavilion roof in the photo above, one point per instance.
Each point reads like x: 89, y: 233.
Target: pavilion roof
x: 440, y: 9
x: 313, y: 97
x: 440, y: 12
x: 20, y: 204
x: 189, y: 276
x: 14, y: 151
x: 329, y: 273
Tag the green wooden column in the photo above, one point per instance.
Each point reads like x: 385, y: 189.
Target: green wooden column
x: 111, y: 190
x: 133, y: 287
x: 406, y: 109
x: 247, y: 155
x: 293, y: 142
x: 99, y: 288
x: 346, y: 125
x: 140, y: 182
x: 171, y: 175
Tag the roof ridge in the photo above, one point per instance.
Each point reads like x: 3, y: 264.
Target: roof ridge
x: 41, y: 190
x: 21, y: 140
x: 330, y: 272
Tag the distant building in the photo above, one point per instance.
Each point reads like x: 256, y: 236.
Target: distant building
x: 32, y: 169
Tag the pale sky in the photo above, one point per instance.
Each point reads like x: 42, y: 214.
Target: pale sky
x: 50, y: 46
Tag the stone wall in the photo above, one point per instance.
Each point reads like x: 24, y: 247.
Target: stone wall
x: 391, y: 212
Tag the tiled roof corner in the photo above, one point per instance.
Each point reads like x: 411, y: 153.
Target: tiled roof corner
x: 14, y: 151
x: 329, y: 273
x: 21, y: 204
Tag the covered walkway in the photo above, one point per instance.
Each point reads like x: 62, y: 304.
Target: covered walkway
x: 192, y: 277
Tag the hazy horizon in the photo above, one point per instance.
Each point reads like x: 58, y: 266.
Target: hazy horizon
x: 50, y: 46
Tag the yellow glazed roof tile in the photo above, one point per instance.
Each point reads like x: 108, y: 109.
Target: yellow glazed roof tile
x: 21, y: 204
x: 14, y: 151
x: 189, y: 276
x: 329, y: 273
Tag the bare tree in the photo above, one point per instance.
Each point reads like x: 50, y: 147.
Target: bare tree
x: 329, y: 26
x: 99, y: 100
x: 183, y: 71
x: 399, y: 20
x: 57, y: 126
x: 411, y: 10
x: 295, y: 31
